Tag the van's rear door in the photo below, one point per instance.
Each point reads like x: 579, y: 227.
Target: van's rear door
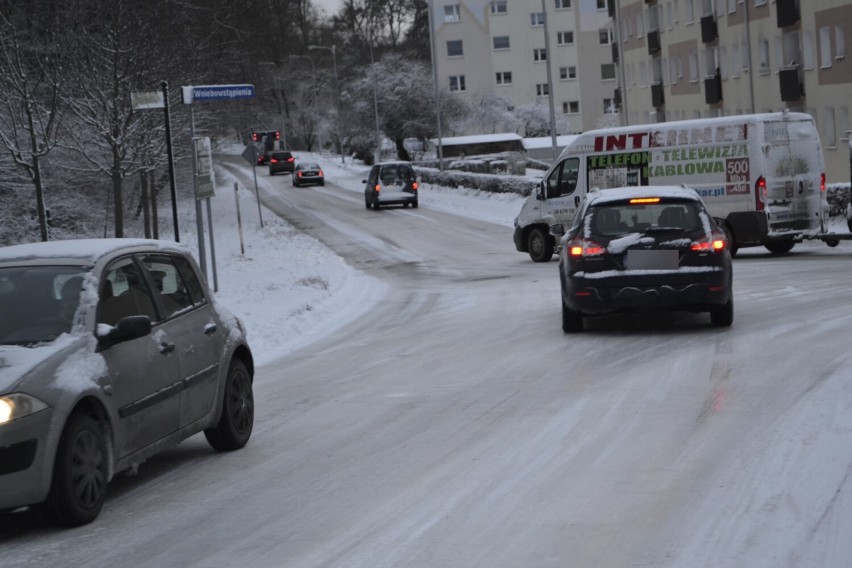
x: 793, y: 177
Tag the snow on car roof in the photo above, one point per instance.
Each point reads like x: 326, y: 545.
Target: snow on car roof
x: 620, y: 193
x: 86, y: 251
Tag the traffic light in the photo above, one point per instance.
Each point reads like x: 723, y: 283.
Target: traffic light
x: 277, y: 135
x: 255, y: 136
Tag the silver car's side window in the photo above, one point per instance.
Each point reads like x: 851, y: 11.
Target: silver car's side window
x: 170, y: 288
x: 124, y: 292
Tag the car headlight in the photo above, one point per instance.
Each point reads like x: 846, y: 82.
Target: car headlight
x: 17, y: 405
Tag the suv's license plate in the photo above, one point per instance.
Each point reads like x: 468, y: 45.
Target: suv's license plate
x: 652, y: 259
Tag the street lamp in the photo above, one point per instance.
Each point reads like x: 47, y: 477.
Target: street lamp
x: 333, y: 51
x: 316, y: 90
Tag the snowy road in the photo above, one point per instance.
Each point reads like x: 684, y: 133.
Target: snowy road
x: 455, y: 425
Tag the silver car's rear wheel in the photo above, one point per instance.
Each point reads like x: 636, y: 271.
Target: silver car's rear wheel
x: 235, y: 425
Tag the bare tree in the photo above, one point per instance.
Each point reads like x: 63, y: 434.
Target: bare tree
x: 29, y: 95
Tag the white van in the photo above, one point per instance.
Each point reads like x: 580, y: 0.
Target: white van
x: 762, y: 176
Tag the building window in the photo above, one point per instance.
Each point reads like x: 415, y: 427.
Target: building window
x: 608, y: 71
x: 609, y: 106
x: 605, y: 36
x: 537, y: 19
x: 504, y: 77
x: 673, y: 67
x: 457, y: 83
x: 539, y: 54
x: 569, y: 72
x: 570, y: 107
x: 732, y: 6
x: 541, y: 89
x: 689, y: 13
x: 825, y: 47
x: 693, y: 67
x: 601, y: 4
x: 451, y: 13
x: 829, y: 128
x: 839, y: 41
x: 564, y: 38
x: 454, y: 48
x: 563, y: 3
x: 501, y: 42
x: 763, y: 50
x: 640, y: 24
x: 498, y: 6
x: 843, y: 123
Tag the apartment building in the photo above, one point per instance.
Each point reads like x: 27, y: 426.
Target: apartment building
x: 680, y: 59
x: 483, y: 47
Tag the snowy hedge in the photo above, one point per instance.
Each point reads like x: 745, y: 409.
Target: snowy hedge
x: 492, y: 183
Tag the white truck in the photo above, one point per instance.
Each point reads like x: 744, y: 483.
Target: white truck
x: 762, y: 177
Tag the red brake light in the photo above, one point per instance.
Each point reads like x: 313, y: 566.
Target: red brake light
x: 378, y: 187
x: 822, y: 182
x: 414, y: 185
x: 291, y: 159
x: 759, y: 192
x: 643, y: 200
x: 584, y: 247
x: 716, y: 243
x: 273, y: 160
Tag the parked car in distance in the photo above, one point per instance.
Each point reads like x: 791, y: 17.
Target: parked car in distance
x: 390, y: 183
x: 281, y: 161
x: 263, y: 157
x: 307, y: 173
x: 643, y: 248
x: 112, y: 350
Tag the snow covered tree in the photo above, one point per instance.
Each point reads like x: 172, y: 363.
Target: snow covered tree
x: 29, y: 96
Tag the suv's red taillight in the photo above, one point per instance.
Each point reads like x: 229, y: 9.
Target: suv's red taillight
x: 822, y: 182
x: 578, y: 248
x: 414, y: 185
x: 716, y: 243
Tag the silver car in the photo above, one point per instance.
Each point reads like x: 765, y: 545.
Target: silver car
x: 111, y: 350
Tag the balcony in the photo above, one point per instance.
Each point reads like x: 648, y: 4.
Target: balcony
x: 713, y: 88
x: 792, y: 87
x: 658, y: 98
x: 788, y: 13
x: 614, y: 52
x: 653, y: 42
x: 709, y: 31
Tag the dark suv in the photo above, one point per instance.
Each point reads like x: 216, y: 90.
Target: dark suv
x: 390, y: 183
x: 281, y: 161
x: 643, y: 248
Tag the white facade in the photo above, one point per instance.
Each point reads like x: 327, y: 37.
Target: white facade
x: 681, y: 59
x: 485, y: 47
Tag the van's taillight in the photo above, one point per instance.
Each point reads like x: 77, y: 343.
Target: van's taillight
x: 414, y: 185
x: 378, y: 187
x: 822, y: 182
x: 578, y: 248
x: 759, y: 193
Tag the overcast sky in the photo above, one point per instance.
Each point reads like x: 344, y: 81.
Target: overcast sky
x: 330, y: 6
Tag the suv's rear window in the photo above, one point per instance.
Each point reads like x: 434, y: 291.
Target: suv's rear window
x: 281, y: 155
x: 612, y: 219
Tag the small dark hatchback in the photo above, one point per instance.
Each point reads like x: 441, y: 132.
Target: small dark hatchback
x: 281, y: 161
x: 643, y: 248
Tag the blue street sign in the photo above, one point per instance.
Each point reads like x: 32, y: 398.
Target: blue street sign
x: 222, y: 92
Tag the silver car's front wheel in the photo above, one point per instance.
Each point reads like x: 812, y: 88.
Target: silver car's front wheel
x: 79, y: 480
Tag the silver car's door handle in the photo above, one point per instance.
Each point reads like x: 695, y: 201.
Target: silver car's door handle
x: 166, y: 347
x: 210, y: 328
